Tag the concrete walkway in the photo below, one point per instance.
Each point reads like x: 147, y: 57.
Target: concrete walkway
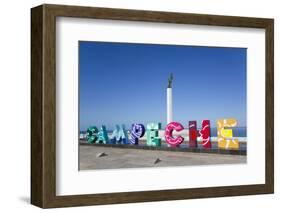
x: 116, y: 158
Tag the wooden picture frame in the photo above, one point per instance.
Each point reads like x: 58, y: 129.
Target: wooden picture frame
x: 43, y: 105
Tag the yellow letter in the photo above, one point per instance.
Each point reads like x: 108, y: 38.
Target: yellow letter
x: 225, y: 138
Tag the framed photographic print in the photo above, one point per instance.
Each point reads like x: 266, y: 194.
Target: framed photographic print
x: 136, y: 106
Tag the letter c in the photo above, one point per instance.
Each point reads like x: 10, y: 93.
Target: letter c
x: 174, y: 142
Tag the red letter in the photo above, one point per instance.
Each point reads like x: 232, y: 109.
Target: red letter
x: 205, y: 134
x: 192, y: 130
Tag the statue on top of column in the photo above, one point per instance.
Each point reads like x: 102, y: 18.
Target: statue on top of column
x: 170, y: 79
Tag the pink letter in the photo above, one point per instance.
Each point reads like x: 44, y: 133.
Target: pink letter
x: 174, y: 142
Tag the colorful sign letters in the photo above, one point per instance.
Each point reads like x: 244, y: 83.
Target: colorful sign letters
x: 96, y: 136
x: 151, y: 132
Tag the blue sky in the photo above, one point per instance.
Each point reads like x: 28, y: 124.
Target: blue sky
x: 126, y: 83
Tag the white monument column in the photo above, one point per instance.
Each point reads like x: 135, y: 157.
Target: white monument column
x: 169, y: 100
x: 169, y: 105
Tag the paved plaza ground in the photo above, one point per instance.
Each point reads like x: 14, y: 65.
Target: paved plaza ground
x: 97, y: 157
